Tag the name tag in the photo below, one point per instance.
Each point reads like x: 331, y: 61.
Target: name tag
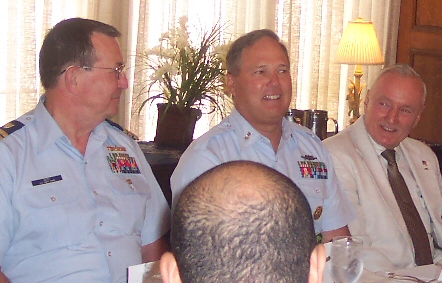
x: 46, y: 180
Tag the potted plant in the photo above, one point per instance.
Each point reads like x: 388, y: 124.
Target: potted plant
x: 185, y: 75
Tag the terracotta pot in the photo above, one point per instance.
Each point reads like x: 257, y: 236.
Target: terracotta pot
x: 175, y: 127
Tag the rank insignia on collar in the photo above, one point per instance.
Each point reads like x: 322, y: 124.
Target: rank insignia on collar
x: 308, y: 157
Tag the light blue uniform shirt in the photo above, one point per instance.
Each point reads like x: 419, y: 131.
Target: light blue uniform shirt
x: 301, y: 156
x: 65, y: 217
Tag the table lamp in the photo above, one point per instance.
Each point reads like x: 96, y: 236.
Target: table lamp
x: 358, y: 46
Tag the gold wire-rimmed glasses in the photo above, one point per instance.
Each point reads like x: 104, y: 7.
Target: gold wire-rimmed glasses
x: 121, y: 69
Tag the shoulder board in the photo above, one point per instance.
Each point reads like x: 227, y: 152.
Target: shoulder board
x: 9, y: 128
x: 127, y: 132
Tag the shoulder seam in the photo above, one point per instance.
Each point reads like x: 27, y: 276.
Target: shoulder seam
x: 127, y: 132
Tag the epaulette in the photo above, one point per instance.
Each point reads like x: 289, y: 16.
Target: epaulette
x: 127, y: 132
x: 9, y: 128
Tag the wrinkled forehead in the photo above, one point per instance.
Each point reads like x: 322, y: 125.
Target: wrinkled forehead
x: 399, y: 87
x: 106, y: 47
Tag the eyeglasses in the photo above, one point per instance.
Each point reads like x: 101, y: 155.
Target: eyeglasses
x: 120, y: 70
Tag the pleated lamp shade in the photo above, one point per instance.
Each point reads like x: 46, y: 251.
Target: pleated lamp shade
x: 359, y: 45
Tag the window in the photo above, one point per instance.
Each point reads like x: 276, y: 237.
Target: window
x: 311, y: 30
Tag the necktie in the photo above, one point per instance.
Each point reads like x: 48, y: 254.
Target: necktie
x: 415, y: 227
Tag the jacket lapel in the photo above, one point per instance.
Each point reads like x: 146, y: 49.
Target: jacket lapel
x: 427, y: 183
x: 364, y: 146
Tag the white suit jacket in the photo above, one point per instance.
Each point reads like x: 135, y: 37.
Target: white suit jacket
x: 380, y: 223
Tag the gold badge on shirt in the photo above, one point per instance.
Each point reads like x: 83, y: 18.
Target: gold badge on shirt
x: 318, y: 212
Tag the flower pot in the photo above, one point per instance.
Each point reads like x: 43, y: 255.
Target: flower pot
x: 175, y: 126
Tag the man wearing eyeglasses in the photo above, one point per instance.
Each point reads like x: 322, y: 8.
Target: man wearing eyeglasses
x: 79, y: 202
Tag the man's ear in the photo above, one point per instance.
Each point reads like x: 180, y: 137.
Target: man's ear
x: 367, y: 99
x: 317, y: 264
x: 230, y: 81
x: 71, y: 78
x: 169, y: 269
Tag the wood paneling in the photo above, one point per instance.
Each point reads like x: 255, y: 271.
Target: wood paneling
x: 420, y: 45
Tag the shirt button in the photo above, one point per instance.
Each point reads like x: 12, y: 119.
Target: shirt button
x: 101, y: 223
x: 109, y: 253
x: 53, y: 198
x: 318, y: 191
x: 96, y: 193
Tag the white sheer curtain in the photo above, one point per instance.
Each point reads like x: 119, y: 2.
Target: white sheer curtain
x: 311, y: 29
x: 24, y: 24
x: 157, y: 17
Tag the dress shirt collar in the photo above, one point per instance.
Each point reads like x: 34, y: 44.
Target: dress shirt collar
x: 49, y: 132
x: 379, y: 149
x: 247, y: 134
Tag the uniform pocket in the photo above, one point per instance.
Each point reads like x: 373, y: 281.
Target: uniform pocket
x: 129, y: 184
x: 130, y: 195
x: 55, y: 215
x: 316, y: 192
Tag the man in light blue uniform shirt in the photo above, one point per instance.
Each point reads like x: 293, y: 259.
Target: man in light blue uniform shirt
x: 260, y: 82
x: 79, y: 202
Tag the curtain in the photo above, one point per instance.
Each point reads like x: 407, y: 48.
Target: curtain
x: 311, y: 30
x: 157, y: 17
x: 24, y: 24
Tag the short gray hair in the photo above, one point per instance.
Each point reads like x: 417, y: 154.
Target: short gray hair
x: 403, y: 70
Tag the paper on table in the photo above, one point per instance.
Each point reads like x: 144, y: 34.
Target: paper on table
x: 144, y: 273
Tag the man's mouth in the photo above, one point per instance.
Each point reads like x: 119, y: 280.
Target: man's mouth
x: 388, y: 129
x: 272, y: 97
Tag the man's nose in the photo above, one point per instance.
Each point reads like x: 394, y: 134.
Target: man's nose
x: 273, y: 78
x: 393, y: 115
x: 123, y: 82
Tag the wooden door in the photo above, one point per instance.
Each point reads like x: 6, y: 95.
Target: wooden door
x: 420, y: 45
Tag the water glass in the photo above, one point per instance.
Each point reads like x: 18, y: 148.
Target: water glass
x: 346, y: 259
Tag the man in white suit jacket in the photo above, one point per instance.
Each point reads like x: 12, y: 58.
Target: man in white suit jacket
x: 392, y: 108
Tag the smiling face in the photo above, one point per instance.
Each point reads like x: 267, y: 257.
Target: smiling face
x: 262, y: 90
x: 393, y: 107
x: 101, y: 88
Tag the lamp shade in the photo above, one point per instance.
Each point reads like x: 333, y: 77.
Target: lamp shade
x: 359, y: 45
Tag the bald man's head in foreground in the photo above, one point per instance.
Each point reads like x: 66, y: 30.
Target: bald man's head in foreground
x: 243, y: 222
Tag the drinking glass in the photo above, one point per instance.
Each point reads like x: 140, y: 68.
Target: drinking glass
x: 346, y: 259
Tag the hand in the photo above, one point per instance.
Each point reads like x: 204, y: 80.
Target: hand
x: 3, y: 278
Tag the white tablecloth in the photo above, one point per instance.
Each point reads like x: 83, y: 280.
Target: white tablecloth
x: 144, y: 273
x: 150, y: 273
x: 426, y: 272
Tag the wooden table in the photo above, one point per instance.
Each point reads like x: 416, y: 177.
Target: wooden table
x: 163, y: 161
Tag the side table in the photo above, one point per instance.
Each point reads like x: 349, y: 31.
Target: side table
x: 163, y: 161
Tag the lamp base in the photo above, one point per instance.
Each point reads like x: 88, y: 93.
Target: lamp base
x: 353, y: 119
x: 354, y: 94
